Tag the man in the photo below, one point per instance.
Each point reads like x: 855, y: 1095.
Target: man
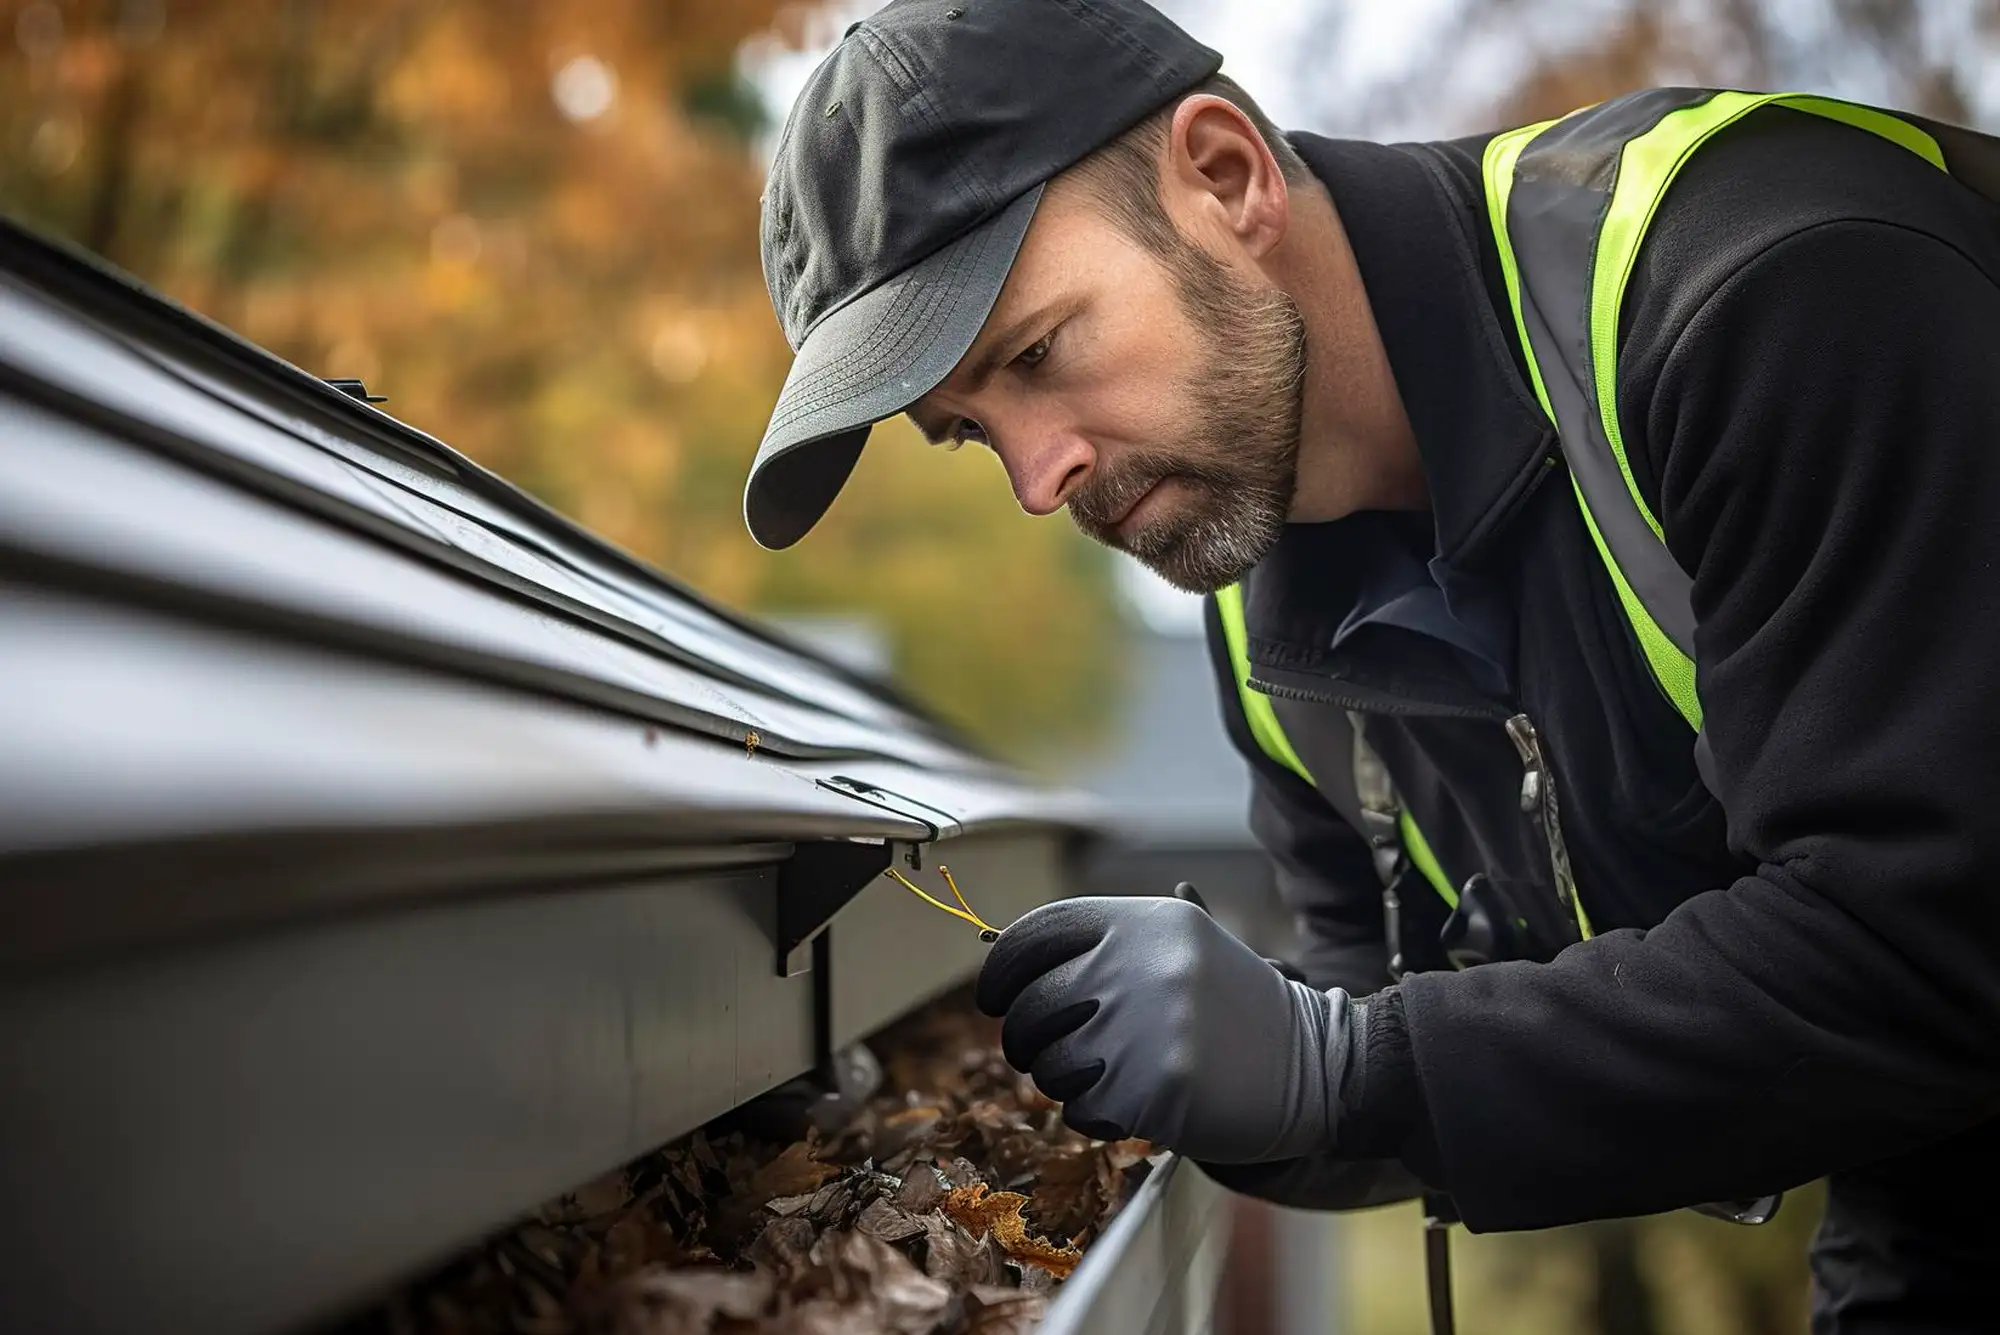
x: 1620, y: 493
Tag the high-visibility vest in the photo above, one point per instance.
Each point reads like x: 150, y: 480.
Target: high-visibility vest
x: 1569, y: 201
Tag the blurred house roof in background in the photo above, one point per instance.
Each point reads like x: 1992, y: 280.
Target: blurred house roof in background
x: 1169, y: 776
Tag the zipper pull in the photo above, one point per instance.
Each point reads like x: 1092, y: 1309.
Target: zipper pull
x: 1538, y: 798
x: 1521, y: 732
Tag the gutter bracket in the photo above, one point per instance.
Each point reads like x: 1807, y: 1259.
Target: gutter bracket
x: 815, y: 883
x: 941, y: 823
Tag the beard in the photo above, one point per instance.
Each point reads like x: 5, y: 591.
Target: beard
x: 1234, y: 465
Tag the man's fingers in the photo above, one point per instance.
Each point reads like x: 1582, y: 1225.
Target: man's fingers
x: 1096, y: 1130
x: 1040, y: 941
x: 1075, y: 1072
x: 1070, y: 1081
x: 1069, y: 1072
x: 1066, y: 1084
x: 1049, y: 1009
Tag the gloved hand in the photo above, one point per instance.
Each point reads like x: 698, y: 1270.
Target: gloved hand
x: 1144, y: 1017
x: 1185, y: 890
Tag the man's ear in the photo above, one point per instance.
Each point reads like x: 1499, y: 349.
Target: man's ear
x: 1220, y: 165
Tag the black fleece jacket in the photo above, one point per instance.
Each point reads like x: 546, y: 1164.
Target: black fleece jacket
x: 1796, y: 973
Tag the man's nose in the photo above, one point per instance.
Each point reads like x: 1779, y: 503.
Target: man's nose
x: 1047, y: 470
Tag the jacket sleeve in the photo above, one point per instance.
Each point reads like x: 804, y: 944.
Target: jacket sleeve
x: 1325, y: 875
x: 1827, y: 439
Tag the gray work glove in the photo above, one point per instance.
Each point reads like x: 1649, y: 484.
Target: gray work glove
x: 1145, y: 1017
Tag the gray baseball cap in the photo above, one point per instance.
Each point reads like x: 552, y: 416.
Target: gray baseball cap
x: 906, y: 177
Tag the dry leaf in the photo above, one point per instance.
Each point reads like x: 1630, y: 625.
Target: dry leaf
x: 922, y: 1189
x: 907, y: 1300
x: 950, y: 1253
x: 1123, y: 1154
x: 888, y: 1222
x: 977, y: 1208
x: 790, y: 1204
x: 828, y: 1317
x: 959, y: 1172
x: 910, y: 1128
x: 998, y: 1311
x: 792, y: 1173
x: 594, y: 1199
x: 904, y: 1218
x: 785, y: 1245
x: 1069, y: 1192
x: 678, y: 1302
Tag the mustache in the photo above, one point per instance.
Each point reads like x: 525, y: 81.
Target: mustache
x: 1104, y: 500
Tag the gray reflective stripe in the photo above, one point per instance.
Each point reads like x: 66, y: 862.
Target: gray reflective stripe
x: 1562, y: 187
x: 1323, y: 738
x: 1350, y: 776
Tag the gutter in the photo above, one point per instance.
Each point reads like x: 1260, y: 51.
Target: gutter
x: 383, y: 855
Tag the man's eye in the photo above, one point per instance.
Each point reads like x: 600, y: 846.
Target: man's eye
x: 1033, y: 354
x: 966, y: 430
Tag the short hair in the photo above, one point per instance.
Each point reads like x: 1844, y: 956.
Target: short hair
x: 1125, y: 173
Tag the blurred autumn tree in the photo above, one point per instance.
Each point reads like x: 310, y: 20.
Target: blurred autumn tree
x: 1472, y: 65
x: 1891, y: 51
x: 534, y: 227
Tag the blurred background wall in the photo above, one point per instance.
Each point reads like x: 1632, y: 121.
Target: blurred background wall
x: 533, y: 227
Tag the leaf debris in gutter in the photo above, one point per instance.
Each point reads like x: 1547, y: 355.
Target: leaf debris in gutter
x: 932, y: 1192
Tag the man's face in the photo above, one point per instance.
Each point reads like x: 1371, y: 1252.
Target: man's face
x: 1157, y: 396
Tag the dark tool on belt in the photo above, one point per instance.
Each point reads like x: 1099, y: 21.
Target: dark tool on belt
x: 1439, y: 1216
x: 1498, y: 919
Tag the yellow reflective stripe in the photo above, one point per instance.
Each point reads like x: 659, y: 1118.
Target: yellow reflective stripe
x: 1502, y: 152
x: 1647, y: 166
x: 1671, y: 669
x: 1423, y: 859
x: 1264, y: 726
x: 1257, y: 709
x: 1893, y: 128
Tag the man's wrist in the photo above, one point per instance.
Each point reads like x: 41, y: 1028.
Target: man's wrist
x: 1380, y: 1101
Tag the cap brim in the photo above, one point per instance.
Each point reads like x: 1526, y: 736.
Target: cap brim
x: 870, y: 360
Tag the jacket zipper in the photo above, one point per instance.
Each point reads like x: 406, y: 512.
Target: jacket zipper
x: 1373, y: 704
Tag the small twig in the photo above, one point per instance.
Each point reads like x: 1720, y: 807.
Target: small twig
x: 987, y: 932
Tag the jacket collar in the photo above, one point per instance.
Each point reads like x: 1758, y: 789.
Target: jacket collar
x: 1415, y: 215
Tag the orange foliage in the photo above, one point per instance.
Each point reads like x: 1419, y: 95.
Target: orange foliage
x: 999, y: 1212
x: 534, y: 228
